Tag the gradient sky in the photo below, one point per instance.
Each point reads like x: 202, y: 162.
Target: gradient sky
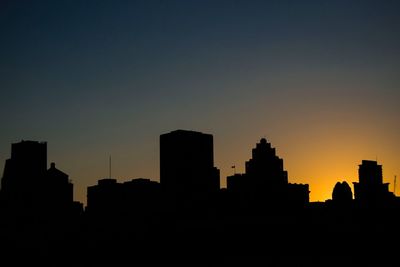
x: 319, y: 79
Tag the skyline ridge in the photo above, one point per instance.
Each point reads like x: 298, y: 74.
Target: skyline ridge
x: 188, y: 218
x: 291, y: 148
x: 192, y: 131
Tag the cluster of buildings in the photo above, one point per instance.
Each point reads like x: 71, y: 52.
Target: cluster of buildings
x: 369, y: 191
x: 29, y: 187
x: 188, y: 178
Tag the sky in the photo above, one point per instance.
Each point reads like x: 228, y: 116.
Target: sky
x: 318, y: 79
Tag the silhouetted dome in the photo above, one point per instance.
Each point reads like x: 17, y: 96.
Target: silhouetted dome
x: 263, y: 141
x: 342, y: 192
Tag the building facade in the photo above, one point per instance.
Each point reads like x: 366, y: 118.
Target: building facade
x: 370, y: 189
x: 136, y: 197
x: 265, y: 182
x: 187, y: 163
x: 28, y: 187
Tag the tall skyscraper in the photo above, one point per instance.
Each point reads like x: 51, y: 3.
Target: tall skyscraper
x: 370, y: 189
x: 187, y: 163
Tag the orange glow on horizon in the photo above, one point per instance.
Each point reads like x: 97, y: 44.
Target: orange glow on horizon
x: 321, y: 162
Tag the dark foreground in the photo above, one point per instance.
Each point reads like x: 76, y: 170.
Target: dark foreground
x: 305, y: 237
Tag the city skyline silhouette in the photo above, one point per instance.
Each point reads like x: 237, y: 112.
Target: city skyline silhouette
x: 188, y: 218
x: 225, y: 183
x: 198, y: 132
x: 318, y: 79
x: 186, y: 164
x: 223, y: 180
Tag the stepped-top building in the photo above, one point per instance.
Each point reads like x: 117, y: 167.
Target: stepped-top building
x: 265, y: 181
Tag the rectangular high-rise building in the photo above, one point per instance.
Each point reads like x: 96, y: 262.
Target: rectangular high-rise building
x: 370, y: 189
x: 187, y: 163
x: 27, y: 165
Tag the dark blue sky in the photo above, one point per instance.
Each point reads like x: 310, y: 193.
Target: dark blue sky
x: 95, y: 78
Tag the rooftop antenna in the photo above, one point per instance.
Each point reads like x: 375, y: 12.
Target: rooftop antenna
x: 394, y: 185
x: 109, y: 166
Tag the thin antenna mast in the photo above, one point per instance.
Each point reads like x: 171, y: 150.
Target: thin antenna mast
x: 109, y: 166
x: 394, y: 185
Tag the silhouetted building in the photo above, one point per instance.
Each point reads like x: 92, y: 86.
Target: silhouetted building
x: 265, y: 182
x: 26, y: 166
x: 28, y: 187
x: 265, y: 168
x: 24, y: 175
x: 134, y: 197
x: 59, y: 189
x: 342, y: 194
x: 298, y: 194
x: 370, y: 190
x: 105, y: 196
x: 236, y: 183
x: 187, y: 163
